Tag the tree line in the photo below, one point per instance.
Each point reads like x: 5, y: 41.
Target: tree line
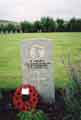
x: 45, y: 24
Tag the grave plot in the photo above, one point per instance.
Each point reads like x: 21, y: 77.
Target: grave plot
x: 37, y: 91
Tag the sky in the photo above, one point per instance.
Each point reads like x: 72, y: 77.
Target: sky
x: 20, y: 10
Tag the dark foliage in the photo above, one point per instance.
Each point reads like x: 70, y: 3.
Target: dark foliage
x: 45, y: 24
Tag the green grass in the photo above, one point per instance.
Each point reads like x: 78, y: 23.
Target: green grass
x: 10, y: 58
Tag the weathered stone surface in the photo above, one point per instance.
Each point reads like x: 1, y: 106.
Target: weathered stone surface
x: 38, y: 67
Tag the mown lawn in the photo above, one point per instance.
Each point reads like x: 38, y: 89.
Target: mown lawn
x: 65, y: 44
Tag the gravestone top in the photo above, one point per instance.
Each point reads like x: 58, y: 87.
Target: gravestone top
x: 38, y: 67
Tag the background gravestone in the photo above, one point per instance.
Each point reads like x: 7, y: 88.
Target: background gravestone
x: 38, y: 67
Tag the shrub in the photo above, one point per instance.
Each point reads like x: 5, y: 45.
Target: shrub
x: 32, y: 115
x: 73, y: 94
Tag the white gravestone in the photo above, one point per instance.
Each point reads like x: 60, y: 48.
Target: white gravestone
x: 38, y: 67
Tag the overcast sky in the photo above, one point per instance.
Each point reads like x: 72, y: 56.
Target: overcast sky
x: 18, y: 10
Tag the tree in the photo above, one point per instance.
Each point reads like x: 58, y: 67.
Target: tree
x: 18, y: 28
x: 48, y: 24
x: 74, y: 25
x: 3, y: 28
x: 11, y: 28
x: 0, y: 29
x: 60, y: 25
x: 37, y: 26
x: 78, y: 25
x: 26, y: 27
